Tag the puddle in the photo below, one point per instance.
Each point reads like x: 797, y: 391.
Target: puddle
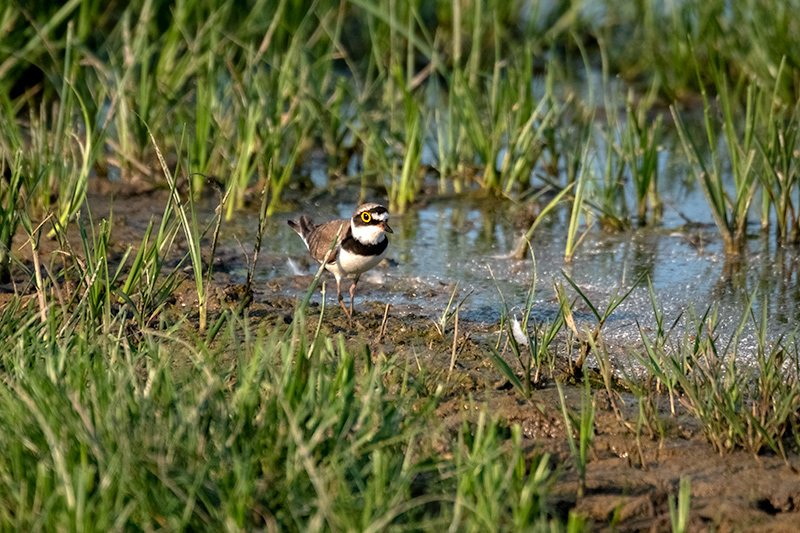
x: 440, y: 244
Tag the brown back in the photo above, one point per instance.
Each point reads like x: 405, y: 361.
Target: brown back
x: 320, y: 239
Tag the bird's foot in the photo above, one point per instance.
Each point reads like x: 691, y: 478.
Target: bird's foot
x: 348, y: 312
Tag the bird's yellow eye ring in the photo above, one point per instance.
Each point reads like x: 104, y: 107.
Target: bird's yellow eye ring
x: 366, y: 217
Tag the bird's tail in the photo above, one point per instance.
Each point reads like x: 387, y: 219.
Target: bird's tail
x: 302, y: 226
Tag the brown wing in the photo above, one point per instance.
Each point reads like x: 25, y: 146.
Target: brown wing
x: 321, y: 238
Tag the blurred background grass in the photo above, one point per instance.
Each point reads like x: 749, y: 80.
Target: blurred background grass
x: 390, y: 92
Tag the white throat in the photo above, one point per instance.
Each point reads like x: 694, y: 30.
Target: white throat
x: 367, y: 234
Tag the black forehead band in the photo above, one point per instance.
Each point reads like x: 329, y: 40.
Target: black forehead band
x: 377, y: 210
x: 358, y: 221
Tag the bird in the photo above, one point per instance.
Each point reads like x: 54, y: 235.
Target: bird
x: 360, y: 244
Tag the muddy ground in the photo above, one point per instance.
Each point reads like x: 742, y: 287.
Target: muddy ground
x: 628, y: 480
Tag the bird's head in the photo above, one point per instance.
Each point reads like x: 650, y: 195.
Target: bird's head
x: 369, y: 223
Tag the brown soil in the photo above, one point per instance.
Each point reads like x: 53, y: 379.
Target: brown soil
x: 628, y: 480
x: 628, y: 484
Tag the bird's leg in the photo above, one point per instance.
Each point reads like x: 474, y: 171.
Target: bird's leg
x: 341, y: 298
x: 352, y: 293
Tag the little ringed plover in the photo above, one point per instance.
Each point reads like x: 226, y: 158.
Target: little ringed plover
x: 361, y: 244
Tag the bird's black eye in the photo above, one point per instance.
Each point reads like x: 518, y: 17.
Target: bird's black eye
x: 366, y: 217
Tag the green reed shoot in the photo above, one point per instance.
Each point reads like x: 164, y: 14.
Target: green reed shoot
x: 780, y: 177
x: 445, y: 141
x: 729, y: 210
x: 403, y: 188
x: 245, y: 160
x: 606, y: 369
x: 578, y: 207
x: 584, y: 424
x: 523, y: 387
x: 543, y: 335
x: 451, y: 310
x: 73, y: 190
x: 200, y: 158
x: 679, y: 512
x: 480, y: 101
x: 94, y: 275
x: 523, y: 243
x: 537, y: 347
x: 144, y: 279
x: 283, y: 125
x: 525, y: 123
x: 655, y: 358
x: 614, y: 301
x: 192, y: 234
x: 774, y: 394
x: 612, y: 206
x: 737, y: 406
x: 647, y: 413
x: 710, y: 391
x: 492, y: 482
x: 717, y: 409
x: 640, y: 144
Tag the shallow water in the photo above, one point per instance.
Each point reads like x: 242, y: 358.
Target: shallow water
x: 466, y: 242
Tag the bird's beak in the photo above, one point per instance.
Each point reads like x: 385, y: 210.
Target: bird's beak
x: 386, y: 228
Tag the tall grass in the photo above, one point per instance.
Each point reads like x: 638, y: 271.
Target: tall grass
x: 198, y: 462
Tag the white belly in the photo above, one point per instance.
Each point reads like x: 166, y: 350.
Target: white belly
x: 348, y: 264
